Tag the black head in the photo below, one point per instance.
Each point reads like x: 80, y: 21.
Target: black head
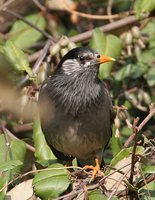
x: 81, y: 58
x: 75, y: 85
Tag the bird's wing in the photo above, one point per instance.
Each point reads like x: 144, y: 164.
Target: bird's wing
x: 47, y: 111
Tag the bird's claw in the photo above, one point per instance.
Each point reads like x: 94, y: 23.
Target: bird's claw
x: 96, y: 170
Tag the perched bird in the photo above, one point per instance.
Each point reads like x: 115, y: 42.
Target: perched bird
x: 76, y: 109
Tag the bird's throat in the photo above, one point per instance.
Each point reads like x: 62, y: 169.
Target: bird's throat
x: 76, y: 93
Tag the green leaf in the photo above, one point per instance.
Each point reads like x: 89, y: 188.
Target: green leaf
x: 138, y: 70
x: 131, y: 70
x: 147, y: 192
x: 24, y: 35
x: 11, y: 159
x: 148, y: 169
x: 50, y: 184
x: 11, y: 156
x: 148, y: 57
x: 17, y: 58
x: 3, y: 182
x: 9, y: 165
x: 98, y: 41
x: 113, y: 49
x: 43, y: 151
x: 109, y: 45
x: 144, y: 6
x: 17, y: 146
x: 3, y: 149
x: 150, y: 77
x: 149, y: 30
x: 124, y: 153
x: 147, y: 141
x: 96, y: 194
x: 123, y: 73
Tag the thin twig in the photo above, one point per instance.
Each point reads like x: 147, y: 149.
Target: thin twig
x: 37, y: 64
x: 142, y: 124
x: 33, y: 57
x: 39, y: 5
x: 150, y: 115
x: 139, y: 185
x: 97, y: 17
x: 106, y: 28
x: 146, y: 185
x: 23, y: 127
x: 91, y: 187
x: 86, y: 35
x: 4, y: 5
x: 28, y: 146
x: 47, y: 35
x: 35, y: 171
x: 129, y: 140
x: 134, y: 150
x: 148, y: 179
x: 118, y: 184
x: 109, y: 10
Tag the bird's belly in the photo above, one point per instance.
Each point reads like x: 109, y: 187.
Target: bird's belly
x: 79, y: 147
x: 80, y: 144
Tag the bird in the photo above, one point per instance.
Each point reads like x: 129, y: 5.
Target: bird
x: 76, y: 109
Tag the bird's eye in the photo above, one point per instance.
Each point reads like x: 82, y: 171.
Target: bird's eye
x: 82, y: 58
x: 98, y: 56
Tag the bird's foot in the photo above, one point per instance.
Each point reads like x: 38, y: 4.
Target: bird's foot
x: 96, y: 170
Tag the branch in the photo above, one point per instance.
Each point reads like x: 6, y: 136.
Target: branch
x: 148, y: 179
x: 80, y: 37
x: 109, y: 10
x: 106, y: 28
x: 47, y: 35
x: 7, y: 132
x: 34, y: 172
x: 118, y: 184
x: 39, y: 5
x: 142, y: 124
x: 97, y: 17
x: 150, y: 115
x: 22, y: 127
x: 134, y: 150
x: 139, y: 185
x: 91, y: 187
x: 4, y: 5
x: 37, y: 64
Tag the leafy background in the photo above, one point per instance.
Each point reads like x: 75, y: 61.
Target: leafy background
x: 34, y: 35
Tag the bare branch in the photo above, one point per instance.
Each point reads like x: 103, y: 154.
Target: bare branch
x: 7, y: 132
x: 37, y: 64
x: 134, y: 149
x: 97, y: 17
x: 4, y: 5
x: 142, y: 124
x: 47, y: 35
x: 106, y: 28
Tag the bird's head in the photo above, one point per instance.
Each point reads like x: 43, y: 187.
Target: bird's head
x: 81, y: 59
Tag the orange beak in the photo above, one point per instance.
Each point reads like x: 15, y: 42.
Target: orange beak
x: 104, y: 59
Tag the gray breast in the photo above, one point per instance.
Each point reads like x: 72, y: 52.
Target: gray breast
x: 80, y: 136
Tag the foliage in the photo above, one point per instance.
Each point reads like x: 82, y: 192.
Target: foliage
x: 27, y: 59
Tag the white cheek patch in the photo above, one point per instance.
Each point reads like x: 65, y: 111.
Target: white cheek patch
x: 87, y: 64
x: 71, y: 66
